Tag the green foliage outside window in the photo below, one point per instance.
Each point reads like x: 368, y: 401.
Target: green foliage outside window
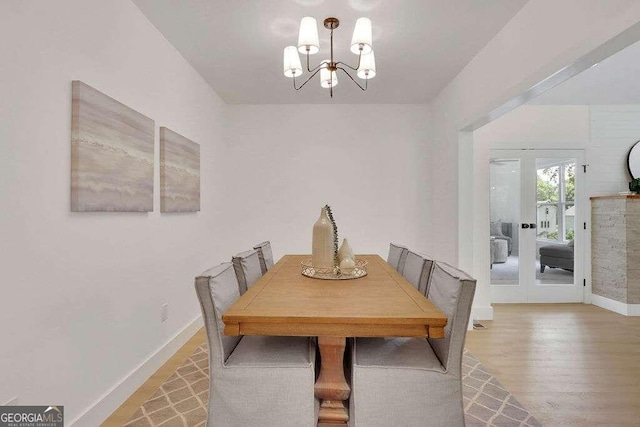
x: 551, y: 235
x: 548, y: 188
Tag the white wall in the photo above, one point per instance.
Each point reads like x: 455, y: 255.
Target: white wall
x: 81, y: 292
x: 543, y: 37
x: 368, y: 162
x: 614, y: 130
x: 538, y: 126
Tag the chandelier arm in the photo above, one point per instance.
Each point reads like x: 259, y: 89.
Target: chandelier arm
x: 315, y: 68
x: 306, y: 81
x: 353, y: 80
x: 349, y: 66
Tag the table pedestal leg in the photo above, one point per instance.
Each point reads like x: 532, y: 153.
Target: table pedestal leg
x: 331, y: 385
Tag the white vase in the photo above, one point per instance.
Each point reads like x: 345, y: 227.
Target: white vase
x: 345, y: 251
x: 322, y: 241
x: 347, y: 266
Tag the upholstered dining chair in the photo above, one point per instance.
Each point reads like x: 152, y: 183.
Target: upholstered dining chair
x: 397, y: 256
x: 415, y: 381
x: 417, y: 270
x: 265, y: 255
x: 253, y: 380
x: 248, y: 270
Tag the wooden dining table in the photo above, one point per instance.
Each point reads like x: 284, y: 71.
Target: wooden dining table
x: 381, y: 304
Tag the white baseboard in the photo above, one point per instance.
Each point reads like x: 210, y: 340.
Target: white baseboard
x: 11, y: 402
x: 109, y: 402
x: 616, y: 306
x: 482, y: 313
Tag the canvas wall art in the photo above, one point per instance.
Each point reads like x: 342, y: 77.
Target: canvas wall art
x: 179, y: 173
x: 111, y: 154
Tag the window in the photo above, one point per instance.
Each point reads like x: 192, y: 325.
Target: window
x: 556, y: 199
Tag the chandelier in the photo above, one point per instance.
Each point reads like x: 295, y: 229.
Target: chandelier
x: 308, y: 43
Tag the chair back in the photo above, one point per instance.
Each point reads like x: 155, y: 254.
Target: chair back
x: 265, y: 255
x: 425, y: 280
x: 217, y: 289
x: 397, y: 256
x: 452, y: 291
x: 414, y: 269
x: 247, y: 267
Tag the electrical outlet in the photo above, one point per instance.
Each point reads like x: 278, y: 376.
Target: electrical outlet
x: 164, y: 313
x: 11, y: 402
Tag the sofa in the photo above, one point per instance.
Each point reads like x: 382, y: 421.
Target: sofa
x: 503, y: 231
x: 557, y: 255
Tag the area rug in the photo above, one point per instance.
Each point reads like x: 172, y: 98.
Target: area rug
x: 182, y: 400
x: 486, y: 401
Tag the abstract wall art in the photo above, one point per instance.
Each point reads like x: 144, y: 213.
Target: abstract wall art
x: 111, y: 154
x: 179, y: 173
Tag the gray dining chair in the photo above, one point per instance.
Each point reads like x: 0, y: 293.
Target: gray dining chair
x: 417, y: 270
x: 265, y: 255
x: 253, y: 380
x: 248, y: 270
x: 415, y: 381
x: 397, y: 256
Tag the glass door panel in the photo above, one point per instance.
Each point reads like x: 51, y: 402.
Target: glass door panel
x: 505, y: 219
x: 556, y: 212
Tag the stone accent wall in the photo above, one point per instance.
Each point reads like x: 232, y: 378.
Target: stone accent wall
x: 633, y: 251
x: 615, y: 248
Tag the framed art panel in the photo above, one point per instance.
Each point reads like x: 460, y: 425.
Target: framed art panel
x: 111, y: 154
x: 179, y: 173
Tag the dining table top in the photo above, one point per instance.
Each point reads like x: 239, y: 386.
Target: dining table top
x: 380, y: 304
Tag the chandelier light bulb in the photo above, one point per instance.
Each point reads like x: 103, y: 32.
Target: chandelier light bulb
x: 328, y: 78
x: 362, y: 36
x: 292, y: 66
x: 308, y: 36
x: 367, y: 69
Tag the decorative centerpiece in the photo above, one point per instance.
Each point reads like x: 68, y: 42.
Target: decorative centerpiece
x: 327, y: 261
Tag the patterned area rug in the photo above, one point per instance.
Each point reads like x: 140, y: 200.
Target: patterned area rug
x: 487, y: 402
x: 182, y: 400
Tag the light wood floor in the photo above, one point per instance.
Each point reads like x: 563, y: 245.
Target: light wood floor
x: 570, y: 364
x: 146, y: 390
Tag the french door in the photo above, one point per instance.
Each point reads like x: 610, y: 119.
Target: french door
x: 537, y: 234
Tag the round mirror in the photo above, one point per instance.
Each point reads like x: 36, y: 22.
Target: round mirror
x: 633, y: 161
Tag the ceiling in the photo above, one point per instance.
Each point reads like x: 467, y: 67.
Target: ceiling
x: 612, y: 81
x: 237, y: 45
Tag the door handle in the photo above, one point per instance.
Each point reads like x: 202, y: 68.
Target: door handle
x: 525, y: 225
x: 532, y: 226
